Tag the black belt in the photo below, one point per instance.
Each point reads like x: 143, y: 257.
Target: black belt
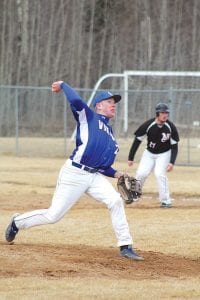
x: 85, y: 168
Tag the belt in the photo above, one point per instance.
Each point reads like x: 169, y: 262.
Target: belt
x: 85, y: 168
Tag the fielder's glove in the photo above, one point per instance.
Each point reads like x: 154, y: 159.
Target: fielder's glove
x: 129, y: 188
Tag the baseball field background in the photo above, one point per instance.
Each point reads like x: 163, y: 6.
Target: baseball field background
x: 77, y: 258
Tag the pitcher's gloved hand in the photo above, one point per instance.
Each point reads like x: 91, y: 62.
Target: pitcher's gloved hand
x: 129, y: 188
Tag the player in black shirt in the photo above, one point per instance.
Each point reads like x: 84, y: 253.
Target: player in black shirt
x: 160, y: 153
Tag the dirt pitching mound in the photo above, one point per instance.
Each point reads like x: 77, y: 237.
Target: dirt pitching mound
x: 56, y: 261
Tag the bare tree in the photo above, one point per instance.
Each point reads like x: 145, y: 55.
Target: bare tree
x: 81, y: 40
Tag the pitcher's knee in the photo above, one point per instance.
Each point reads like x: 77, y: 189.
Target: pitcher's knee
x: 142, y: 177
x: 53, y: 218
x: 117, y: 201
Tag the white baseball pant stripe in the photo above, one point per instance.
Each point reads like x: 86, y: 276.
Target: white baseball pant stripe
x: 72, y: 183
x: 158, y: 163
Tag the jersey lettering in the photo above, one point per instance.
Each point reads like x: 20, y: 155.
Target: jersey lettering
x: 152, y: 145
x: 165, y: 137
x: 117, y: 149
x: 103, y: 127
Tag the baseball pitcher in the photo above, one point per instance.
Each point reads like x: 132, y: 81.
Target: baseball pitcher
x: 86, y: 169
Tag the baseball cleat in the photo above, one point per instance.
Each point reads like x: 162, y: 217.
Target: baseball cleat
x: 130, y: 254
x: 11, y: 230
x: 165, y: 205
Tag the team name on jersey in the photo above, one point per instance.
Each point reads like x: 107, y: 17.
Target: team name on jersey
x: 103, y: 127
x: 165, y: 137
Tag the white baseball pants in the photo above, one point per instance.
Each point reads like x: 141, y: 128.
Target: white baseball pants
x: 158, y: 163
x: 72, y: 183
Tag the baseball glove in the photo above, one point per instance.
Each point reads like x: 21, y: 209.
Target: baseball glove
x: 129, y: 188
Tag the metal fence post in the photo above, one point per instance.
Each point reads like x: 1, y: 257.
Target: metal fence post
x: 172, y: 104
x: 188, y: 107
x: 125, y: 103
x: 65, y: 125
x: 16, y: 123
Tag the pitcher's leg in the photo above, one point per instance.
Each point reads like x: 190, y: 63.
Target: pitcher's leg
x: 70, y: 186
x: 102, y: 190
x: 64, y: 198
x: 119, y: 222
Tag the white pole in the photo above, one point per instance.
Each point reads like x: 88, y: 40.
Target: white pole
x: 136, y: 73
x: 163, y: 73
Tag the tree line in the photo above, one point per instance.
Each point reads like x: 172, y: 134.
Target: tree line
x: 79, y: 41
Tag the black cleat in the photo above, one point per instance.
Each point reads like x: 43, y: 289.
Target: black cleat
x: 11, y: 230
x: 130, y: 253
x: 165, y: 205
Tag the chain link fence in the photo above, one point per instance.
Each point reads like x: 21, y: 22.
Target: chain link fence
x: 36, y: 122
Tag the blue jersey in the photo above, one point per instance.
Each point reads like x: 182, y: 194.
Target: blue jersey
x: 96, y: 146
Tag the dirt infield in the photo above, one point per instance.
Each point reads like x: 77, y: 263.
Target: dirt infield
x: 57, y: 261
x: 80, y: 251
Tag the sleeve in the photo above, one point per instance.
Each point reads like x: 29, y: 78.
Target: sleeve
x: 174, y: 143
x: 141, y: 132
x: 73, y: 97
x: 133, y: 149
x: 174, y: 152
x: 175, y: 135
x: 110, y: 172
